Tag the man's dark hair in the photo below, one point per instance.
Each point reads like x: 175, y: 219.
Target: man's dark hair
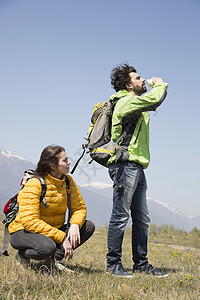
x: 120, y: 76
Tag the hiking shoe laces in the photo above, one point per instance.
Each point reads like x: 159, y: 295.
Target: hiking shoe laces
x: 118, y: 270
x: 21, y: 261
x: 149, y: 270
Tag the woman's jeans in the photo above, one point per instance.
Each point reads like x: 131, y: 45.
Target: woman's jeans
x: 129, y: 193
x: 38, y: 246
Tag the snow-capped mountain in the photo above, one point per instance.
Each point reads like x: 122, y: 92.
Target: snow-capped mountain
x: 168, y: 206
x: 9, y: 154
x: 97, y: 185
x: 12, y: 168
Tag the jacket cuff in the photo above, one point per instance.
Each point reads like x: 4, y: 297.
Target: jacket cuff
x: 60, y: 237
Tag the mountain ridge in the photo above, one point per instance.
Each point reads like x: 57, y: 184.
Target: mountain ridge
x: 12, y: 168
x: 97, y: 196
x: 160, y: 212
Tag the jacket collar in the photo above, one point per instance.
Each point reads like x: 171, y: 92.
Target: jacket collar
x: 120, y: 94
x: 55, y: 180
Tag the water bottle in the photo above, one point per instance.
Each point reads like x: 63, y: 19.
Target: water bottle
x: 150, y: 82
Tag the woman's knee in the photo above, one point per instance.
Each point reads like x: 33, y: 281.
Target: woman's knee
x: 46, y: 247
x: 37, y: 244
x: 90, y: 227
x: 87, y: 230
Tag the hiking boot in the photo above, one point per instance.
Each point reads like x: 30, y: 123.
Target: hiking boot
x: 49, y: 262
x: 118, y: 270
x: 62, y: 267
x: 56, y: 265
x: 21, y: 261
x: 149, y: 270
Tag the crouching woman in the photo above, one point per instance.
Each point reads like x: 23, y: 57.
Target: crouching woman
x: 40, y: 232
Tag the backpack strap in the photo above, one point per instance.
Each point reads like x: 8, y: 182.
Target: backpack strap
x: 119, y: 150
x: 84, y: 146
x: 68, y: 199
x: 44, y: 189
x: 30, y: 174
x: 4, y: 250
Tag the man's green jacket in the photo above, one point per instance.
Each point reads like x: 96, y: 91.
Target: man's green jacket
x: 134, y: 109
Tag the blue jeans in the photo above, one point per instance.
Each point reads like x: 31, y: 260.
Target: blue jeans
x: 129, y: 193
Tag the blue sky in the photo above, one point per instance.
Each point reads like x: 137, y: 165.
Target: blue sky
x: 55, y: 64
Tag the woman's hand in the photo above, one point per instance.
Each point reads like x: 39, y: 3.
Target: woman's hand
x: 68, y: 248
x: 74, y: 235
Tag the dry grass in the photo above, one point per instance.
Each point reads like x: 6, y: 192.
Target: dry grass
x: 89, y: 281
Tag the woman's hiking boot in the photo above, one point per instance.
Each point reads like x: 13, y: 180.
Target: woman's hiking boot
x: 21, y: 261
x: 56, y: 265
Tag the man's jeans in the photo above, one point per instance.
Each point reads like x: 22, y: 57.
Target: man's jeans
x: 129, y: 193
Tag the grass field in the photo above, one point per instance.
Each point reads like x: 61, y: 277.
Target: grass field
x: 89, y: 280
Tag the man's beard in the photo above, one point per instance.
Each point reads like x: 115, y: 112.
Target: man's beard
x: 140, y: 90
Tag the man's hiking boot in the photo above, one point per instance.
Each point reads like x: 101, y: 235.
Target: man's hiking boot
x: 118, y: 270
x: 149, y: 270
x: 21, y: 261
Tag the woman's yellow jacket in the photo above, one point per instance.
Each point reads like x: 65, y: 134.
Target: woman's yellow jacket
x: 36, y: 218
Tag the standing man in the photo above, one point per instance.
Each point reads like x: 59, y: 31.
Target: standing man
x: 129, y: 183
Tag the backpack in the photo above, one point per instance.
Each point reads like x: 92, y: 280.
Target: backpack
x: 100, y: 145
x: 99, y: 142
x: 11, y: 208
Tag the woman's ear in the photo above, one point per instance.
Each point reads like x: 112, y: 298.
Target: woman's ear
x: 52, y: 166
